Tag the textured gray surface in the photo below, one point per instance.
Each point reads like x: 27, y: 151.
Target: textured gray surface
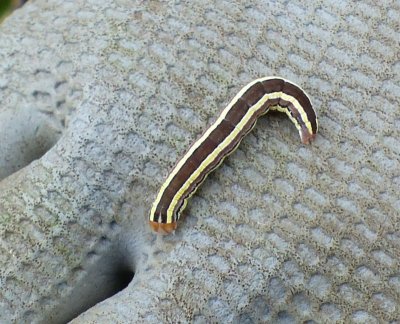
x: 281, y: 232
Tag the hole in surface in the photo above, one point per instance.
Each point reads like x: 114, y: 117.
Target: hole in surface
x: 123, y: 278
x: 104, y: 276
x: 25, y: 136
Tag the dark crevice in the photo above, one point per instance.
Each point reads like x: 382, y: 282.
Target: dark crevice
x: 105, y: 275
x: 25, y: 136
x: 122, y: 279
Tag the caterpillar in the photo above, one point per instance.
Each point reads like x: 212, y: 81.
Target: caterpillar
x: 224, y: 136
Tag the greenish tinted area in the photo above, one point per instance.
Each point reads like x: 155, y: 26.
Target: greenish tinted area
x: 5, y: 7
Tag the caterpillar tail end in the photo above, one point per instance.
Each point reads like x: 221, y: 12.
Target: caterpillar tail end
x: 163, y: 228
x: 306, y: 136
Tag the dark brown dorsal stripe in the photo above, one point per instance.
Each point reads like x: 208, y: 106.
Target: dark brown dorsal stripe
x: 222, y: 138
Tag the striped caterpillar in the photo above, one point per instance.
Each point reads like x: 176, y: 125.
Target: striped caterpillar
x: 224, y: 136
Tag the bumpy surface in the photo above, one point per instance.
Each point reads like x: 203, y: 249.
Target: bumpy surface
x: 281, y: 232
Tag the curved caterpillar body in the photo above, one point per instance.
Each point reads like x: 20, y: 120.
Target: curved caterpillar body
x: 223, y: 137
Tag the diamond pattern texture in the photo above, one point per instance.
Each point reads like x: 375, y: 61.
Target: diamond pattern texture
x: 280, y: 233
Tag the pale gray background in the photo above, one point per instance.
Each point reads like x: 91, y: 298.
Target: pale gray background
x: 115, y: 92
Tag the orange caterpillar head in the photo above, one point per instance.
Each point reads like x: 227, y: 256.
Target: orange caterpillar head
x: 163, y: 228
